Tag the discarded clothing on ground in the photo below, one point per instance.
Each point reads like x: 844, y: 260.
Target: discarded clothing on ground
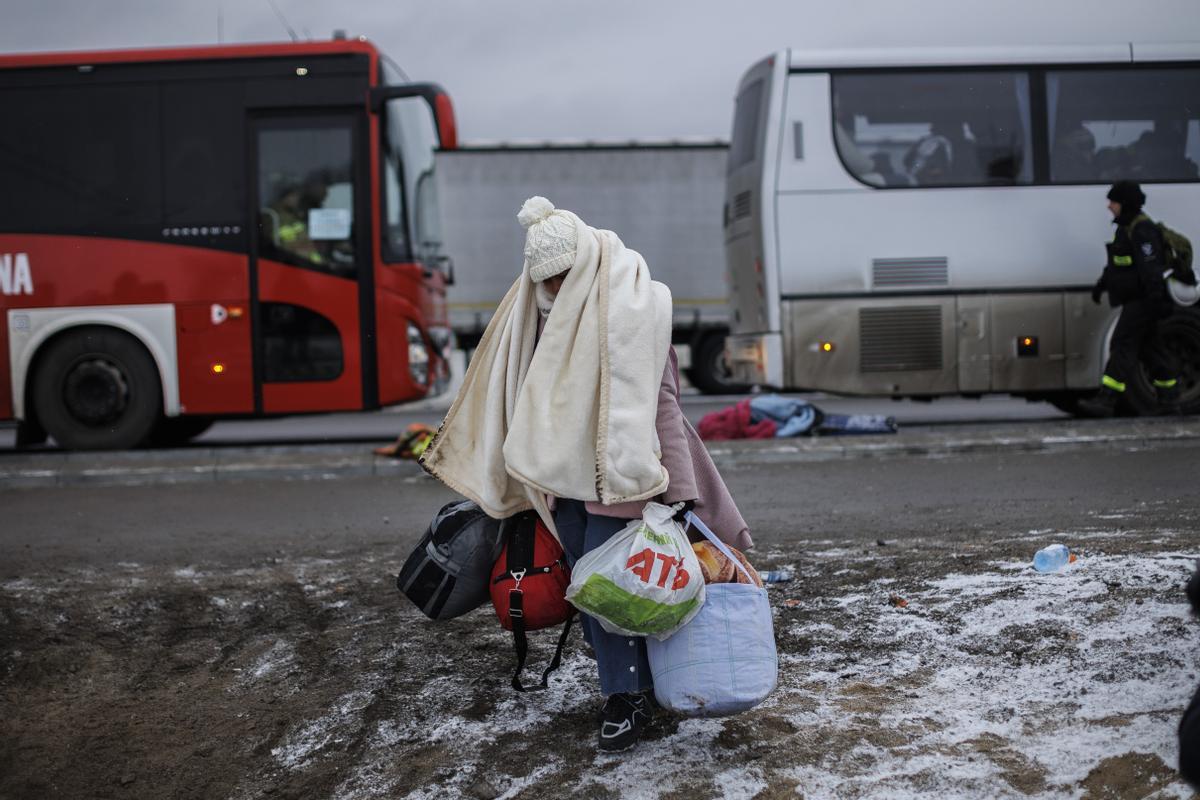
x: 774, y: 416
x: 410, y: 444
x: 734, y: 423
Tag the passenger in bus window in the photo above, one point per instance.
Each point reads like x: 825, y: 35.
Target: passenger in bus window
x: 1073, y: 156
x: 1159, y: 153
x: 1133, y: 279
x: 932, y: 160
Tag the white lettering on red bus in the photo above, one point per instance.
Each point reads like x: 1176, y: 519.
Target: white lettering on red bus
x: 15, y: 277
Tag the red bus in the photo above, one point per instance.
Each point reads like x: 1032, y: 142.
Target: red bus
x: 231, y: 231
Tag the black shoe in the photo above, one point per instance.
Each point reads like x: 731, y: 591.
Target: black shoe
x: 622, y: 721
x: 1104, y: 404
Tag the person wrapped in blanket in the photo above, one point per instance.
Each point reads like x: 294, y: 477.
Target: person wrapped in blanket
x: 571, y: 406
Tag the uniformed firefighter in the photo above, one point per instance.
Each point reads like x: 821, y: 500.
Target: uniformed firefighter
x: 1133, y: 278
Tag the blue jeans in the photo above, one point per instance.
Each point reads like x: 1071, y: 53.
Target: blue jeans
x: 621, y: 660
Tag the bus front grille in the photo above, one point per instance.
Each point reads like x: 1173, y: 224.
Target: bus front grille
x: 905, y: 339
x: 889, y: 272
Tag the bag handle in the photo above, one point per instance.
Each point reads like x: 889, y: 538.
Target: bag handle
x: 692, y: 519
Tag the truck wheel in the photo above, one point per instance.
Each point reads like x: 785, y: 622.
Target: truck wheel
x: 178, y: 431
x: 97, y: 389
x: 709, y: 373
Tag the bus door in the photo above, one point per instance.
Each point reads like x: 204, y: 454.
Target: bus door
x: 310, y: 263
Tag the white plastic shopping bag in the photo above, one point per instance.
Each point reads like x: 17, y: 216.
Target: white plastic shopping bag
x: 644, y: 581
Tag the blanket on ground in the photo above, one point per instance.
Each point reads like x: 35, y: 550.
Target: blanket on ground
x: 573, y: 417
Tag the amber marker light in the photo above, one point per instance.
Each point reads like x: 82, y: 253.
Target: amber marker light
x: 218, y: 369
x: 826, y: 347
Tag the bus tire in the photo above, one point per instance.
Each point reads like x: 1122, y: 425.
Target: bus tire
x: 97, y: 388
x: 178, y: 431
x: 709, y: 373
x: 1181, y: 337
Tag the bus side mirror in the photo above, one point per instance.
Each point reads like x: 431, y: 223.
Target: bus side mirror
x: 431, y: 93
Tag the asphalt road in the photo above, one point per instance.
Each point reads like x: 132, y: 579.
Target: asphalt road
x: 380, y: 426
x: 235, y: 522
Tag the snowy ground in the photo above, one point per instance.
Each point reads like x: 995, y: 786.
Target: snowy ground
x: 312, y: 678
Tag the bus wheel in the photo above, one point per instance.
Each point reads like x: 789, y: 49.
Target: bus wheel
x: 709, y: 373
x: 178, y: 431
x: 1181, y: 337
x: 97, y: 389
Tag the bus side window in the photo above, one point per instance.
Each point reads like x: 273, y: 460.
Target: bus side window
x: 204, y: 182
x: 933, y: 128
x: 82, y: 158
x: 1109, y: 125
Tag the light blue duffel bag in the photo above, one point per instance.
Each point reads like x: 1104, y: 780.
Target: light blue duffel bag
x: 723, y: 661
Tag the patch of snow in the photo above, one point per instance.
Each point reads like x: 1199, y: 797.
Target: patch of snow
x: 1036, y: 668
x: 303, y: 743
x: 280, y: 655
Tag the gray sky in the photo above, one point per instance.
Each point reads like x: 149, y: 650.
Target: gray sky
x: 611, y: 70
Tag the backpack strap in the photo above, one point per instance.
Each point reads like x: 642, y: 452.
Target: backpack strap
x: 521, y: 645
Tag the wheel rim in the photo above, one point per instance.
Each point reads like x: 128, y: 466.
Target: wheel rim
x: 718, y: 367
x: 95, y: 391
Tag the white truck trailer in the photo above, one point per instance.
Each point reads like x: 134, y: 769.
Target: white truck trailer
x: 663, y: 199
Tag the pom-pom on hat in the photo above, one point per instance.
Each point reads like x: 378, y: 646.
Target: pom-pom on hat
x: 550, y: 238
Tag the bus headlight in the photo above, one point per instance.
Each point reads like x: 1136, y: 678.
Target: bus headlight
x: 418, y: 356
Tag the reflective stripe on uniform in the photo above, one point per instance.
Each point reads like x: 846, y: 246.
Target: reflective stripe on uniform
x: 1168, y: 384
x: 1123, y: 261
x: 290, y: 232
x: 1113, y: 383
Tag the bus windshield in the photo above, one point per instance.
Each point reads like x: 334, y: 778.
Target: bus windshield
x: 412, y: 227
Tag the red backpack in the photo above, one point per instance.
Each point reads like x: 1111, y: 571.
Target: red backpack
x: 529, y: 586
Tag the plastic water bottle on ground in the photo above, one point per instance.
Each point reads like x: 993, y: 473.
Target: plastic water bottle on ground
x: 775, y: 575
x: 1052, y: 558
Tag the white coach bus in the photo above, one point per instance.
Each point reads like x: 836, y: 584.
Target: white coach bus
x: 917, y: 223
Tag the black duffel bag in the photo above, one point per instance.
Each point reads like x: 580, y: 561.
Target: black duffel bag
x: 449, y: 572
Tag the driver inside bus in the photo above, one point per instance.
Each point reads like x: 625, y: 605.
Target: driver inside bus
x: 290, y: 211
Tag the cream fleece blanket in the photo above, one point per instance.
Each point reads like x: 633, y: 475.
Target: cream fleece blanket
x: 575, y: 417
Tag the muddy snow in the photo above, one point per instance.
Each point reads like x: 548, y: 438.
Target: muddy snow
x: 314, y: 678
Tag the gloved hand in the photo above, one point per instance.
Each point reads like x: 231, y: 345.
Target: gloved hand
x: 1097, y: 290
x: 681, y: 509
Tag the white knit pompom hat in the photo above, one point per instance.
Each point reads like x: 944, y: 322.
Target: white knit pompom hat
x: 551, y: 238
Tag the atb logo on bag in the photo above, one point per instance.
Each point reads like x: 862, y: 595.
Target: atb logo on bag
x: 642, y: 565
